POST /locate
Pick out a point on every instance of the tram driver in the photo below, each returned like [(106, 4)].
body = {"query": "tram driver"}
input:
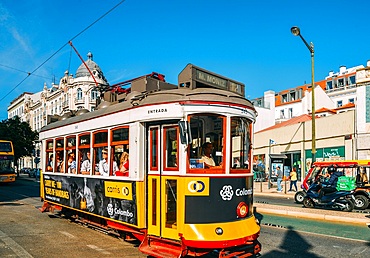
[(207, 158)]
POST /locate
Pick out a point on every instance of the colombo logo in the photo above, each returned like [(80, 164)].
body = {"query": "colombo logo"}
[(196, 186), (227, 192)]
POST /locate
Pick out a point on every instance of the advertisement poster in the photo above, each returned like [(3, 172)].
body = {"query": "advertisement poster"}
[(110, 199)]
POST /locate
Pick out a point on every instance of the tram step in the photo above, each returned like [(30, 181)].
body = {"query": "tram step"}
[(159, 247)]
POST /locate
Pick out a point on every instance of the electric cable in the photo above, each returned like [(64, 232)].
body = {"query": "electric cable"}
[(67, 43)]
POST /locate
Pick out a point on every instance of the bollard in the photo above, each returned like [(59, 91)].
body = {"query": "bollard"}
[(261, 186), (285, 186)]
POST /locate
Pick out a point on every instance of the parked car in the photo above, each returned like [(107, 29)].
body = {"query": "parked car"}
[(34, 172), (25, 170)]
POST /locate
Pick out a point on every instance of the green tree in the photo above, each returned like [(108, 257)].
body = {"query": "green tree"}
[(22, 136)]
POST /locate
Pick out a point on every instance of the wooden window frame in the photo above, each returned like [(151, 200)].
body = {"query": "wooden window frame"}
[(116, 143), (153, 131), (83, 147), (95, 146), (48, 151)]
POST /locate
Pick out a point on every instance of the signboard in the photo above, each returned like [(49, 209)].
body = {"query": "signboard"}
[(110, 199), (196, 77), (327, 153)]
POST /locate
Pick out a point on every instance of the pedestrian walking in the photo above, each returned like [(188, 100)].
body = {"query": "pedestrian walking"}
[(279, 175), (293, 180)]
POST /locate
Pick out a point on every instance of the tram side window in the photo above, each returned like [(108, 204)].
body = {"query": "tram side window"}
[(240, 144), (59, 155), (70, 164), (171, 147), (100, 156), (206, 149), (84, 157), (49, 155), (120, 151)]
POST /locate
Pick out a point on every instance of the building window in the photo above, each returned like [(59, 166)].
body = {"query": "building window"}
[(284, 98), (352, 80), (340, 83), (290, 112), (282, 116), (329, 85), (94, 94), (352, 100), (339, 103), (292, 96), (79, 94)]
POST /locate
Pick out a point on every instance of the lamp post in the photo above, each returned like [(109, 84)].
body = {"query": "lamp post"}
[(296, 32)]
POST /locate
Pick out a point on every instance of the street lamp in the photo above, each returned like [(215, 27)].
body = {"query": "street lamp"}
[(296, 32)]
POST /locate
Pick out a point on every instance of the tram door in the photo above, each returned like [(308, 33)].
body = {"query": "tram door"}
[(162, 180)]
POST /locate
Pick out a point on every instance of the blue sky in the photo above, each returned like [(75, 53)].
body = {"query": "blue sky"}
[(248, 41)]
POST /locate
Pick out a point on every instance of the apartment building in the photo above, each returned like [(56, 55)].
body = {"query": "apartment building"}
[(342, 109)]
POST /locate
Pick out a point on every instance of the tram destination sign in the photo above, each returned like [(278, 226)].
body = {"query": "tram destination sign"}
[(196, 77), (218, 82)]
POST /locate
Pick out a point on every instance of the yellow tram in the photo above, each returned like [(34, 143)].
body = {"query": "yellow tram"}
[(187, 185)]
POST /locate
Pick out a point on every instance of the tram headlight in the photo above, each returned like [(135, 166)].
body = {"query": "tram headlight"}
[(242, 210), (219, 231)]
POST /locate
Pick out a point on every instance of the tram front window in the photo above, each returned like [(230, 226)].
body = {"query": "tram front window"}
[(206, 148), (240, 144)]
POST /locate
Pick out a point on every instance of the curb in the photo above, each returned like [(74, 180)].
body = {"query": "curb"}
[(315, 215)]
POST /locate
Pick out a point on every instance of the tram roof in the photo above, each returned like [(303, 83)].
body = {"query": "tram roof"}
[(147, 90), (137, 99)]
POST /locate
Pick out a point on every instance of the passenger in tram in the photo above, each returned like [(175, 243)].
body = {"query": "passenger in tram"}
[(124, 165), (86, 164), (50, 163), (207, 158), (60, 163), (103, 164), (71, 163)]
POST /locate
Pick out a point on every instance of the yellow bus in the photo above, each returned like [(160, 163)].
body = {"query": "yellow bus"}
[(7, 172)]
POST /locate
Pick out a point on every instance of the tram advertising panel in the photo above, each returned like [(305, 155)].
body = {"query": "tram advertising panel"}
[(212, 200), (111, 199)]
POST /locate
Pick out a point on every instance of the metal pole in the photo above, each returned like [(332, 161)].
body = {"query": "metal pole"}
[(313, 104), (269, 179), (297, 32)]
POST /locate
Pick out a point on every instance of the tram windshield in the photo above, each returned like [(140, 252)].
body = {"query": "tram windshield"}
[(208, 134)]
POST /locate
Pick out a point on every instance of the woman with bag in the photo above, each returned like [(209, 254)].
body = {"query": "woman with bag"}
[(293, 179)]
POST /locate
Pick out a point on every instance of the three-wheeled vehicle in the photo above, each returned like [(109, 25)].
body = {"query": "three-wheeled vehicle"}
[(357, 169)]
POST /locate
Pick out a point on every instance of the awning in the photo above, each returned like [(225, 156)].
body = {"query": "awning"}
[(278, 156)]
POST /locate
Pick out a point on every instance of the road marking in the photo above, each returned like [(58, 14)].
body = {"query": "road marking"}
[(94, 247), (67, 234), (17, 249)]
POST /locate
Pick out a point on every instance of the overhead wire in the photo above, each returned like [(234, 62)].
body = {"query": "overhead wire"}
[(67, 43), (16, 69)]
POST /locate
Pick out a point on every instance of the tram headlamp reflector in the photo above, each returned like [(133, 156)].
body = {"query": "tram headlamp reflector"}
[(242, 210), (219, 231)]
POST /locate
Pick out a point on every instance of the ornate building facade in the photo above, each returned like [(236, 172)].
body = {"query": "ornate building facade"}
[(74, 93)]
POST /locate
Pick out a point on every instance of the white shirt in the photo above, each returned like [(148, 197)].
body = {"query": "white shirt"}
[(104, 169), (208, 160), (86, 165)]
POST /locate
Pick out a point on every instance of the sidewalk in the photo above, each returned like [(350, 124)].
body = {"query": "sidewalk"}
[(301, 212)]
